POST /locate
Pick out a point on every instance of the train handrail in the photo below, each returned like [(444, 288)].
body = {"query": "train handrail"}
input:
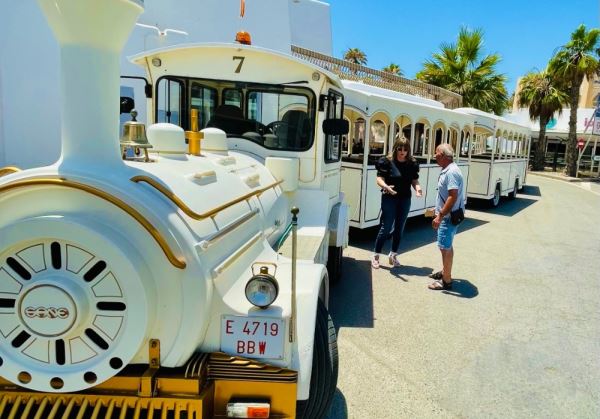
[(187, 210), (63, 182)]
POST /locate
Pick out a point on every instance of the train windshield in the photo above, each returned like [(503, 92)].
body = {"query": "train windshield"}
[(280, 117)]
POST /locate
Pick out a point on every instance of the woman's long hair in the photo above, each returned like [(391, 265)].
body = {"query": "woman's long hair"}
[(401, 142)]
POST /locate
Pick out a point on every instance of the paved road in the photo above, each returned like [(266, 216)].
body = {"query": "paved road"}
[(518, 337)]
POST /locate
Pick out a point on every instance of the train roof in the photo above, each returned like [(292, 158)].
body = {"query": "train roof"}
[(277, 56), (380, 99), (494, 122)]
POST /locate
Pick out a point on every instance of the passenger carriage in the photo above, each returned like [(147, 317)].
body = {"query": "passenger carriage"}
[(500, 156), (376, 116)]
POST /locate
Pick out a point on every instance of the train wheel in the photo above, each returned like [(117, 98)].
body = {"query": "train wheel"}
[(496, 198), (323, 381), (334, 263)]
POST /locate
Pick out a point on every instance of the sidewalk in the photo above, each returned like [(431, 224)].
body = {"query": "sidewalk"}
[(561, 176)]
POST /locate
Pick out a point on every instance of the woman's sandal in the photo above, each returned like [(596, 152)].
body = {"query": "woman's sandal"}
[(375, 261), (437, 275), (439, 285)]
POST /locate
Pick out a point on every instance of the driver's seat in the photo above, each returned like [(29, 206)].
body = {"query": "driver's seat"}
[(230, 119), (296, 133)]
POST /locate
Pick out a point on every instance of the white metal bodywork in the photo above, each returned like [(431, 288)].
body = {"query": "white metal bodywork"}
[(189, 302), (180, 305), (485, 176), (359, 174)]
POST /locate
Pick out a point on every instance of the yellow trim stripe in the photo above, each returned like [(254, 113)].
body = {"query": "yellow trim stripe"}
[(175, 261), (8, 170), (187, 210)]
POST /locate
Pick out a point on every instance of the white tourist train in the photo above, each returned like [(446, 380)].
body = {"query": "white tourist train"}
[(171, 275)]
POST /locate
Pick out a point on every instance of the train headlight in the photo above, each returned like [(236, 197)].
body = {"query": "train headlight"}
[(262, 289)]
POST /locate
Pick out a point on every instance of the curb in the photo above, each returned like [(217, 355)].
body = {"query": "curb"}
[(564, 178)]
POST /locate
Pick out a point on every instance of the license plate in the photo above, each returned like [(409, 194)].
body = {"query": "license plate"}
[(253, 337)]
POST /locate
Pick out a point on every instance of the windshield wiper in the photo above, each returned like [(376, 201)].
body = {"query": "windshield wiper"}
[(294, 82)]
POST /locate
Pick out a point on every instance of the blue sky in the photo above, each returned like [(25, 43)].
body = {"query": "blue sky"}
[(525, 33)]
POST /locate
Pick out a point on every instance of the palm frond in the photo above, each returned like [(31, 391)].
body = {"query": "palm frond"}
[(459, 67)]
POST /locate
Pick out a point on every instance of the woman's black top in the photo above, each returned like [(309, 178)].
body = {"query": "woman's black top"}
[(398, 174)]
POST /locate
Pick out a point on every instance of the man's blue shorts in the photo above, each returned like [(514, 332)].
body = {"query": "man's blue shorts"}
[(445, 234)]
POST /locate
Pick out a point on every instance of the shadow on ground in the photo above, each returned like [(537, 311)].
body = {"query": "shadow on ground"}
[(531, 190), (417, 233), (507, 207), (338, 408), (351, 299), (462, 288), (405, 271)]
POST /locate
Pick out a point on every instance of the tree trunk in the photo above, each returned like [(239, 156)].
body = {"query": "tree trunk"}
[(572, 154), (540, 150)]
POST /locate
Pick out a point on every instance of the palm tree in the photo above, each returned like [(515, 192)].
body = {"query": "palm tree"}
[(545, 96), (356, 56), (393, 68), (574, 61), (461, 68)]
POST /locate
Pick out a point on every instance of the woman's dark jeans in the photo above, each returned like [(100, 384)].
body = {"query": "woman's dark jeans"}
[(394, 212)]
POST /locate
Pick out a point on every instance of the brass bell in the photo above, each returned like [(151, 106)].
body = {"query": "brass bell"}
[(134, 136)]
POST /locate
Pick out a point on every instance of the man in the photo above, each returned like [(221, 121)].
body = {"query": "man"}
[(450, 197)]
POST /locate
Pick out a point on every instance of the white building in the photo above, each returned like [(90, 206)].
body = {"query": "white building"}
[(29, 58), (557, 132)]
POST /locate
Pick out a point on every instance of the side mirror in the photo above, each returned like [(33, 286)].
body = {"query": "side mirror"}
[(127, 104), (336, 126)]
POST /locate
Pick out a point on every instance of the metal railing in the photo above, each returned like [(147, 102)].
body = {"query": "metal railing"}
[(350, 71)]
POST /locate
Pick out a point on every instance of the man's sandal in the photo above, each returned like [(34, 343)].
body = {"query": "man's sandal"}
[(439, 285), (436, 275)]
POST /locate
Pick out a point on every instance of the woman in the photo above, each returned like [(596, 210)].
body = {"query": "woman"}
[(396, 173)]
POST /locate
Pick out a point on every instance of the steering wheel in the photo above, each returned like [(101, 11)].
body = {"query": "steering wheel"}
[(261, 128), (275, 126)]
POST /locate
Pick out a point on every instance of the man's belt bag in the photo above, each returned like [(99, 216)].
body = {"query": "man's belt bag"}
[(457, 216)]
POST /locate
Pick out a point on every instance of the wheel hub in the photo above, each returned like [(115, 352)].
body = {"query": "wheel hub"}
[(47, 310)]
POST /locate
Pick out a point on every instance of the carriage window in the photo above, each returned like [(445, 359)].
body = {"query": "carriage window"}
[(358, 137), (396, 130), (204, 99), (454, 141), (465, 143), (169, 95), (419, 146), (378, 137), (439, 137), (335, 110), (232, 97), (499, 147), (489, 144), (345, 144)]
